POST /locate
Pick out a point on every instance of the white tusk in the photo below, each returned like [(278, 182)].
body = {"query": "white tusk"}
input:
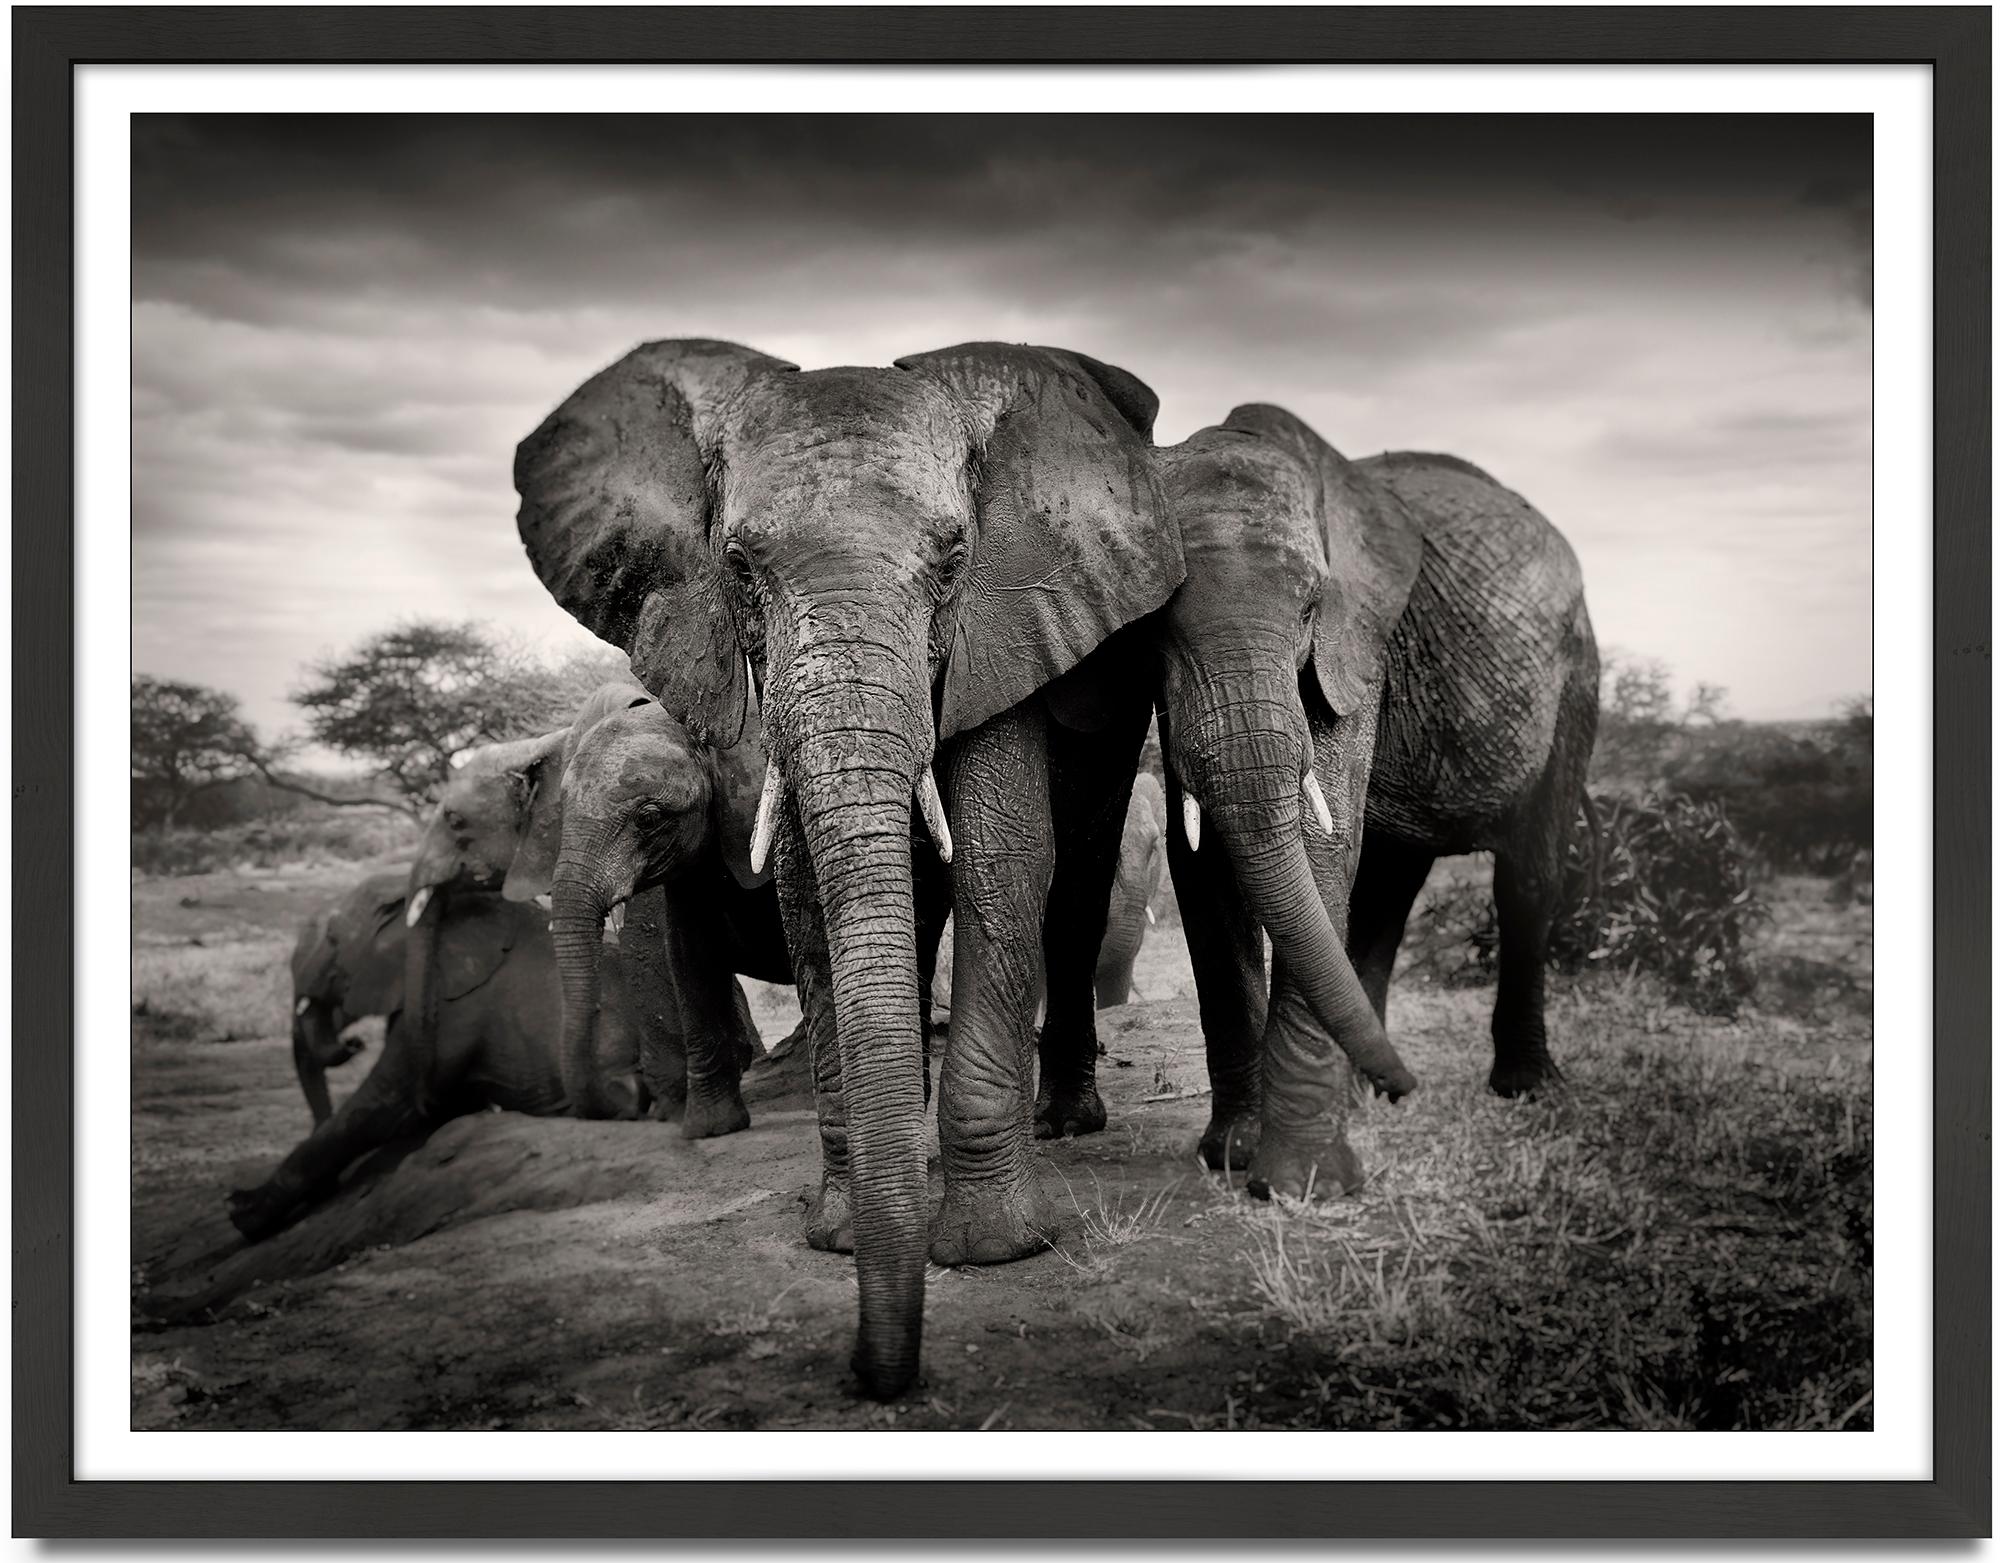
[(302, 1006), (767, 818), (1150, 918), (614, 920), (418, 902), (1191, 821), (934, 820), (546, 901), (1318, 801)]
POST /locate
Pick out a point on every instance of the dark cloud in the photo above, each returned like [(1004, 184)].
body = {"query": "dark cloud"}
[(342, 325)]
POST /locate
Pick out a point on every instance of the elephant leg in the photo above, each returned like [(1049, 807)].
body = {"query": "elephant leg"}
[(711, 1024), (1303, 1150), (749, 1040), (830, 1217), (996, 793), (1386, 886), (387, 1105), (933, 887), (649, 974), (1226, 950), (1090, 786), (1527, 890)]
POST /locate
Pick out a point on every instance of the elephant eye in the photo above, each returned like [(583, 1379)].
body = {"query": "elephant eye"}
[(950, 566), (738, 558)]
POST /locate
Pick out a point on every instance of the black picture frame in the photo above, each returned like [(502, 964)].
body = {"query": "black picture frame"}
[(49, 43)]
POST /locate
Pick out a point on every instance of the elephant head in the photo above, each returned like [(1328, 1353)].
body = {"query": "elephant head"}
[(1298, 567), (891, 557), (639, 800), (469, 844), (346, 964)]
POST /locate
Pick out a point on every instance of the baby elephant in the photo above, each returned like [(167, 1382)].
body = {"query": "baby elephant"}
[(499, 1013)]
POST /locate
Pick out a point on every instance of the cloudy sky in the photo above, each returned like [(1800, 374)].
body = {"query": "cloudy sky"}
[(1656, 329)]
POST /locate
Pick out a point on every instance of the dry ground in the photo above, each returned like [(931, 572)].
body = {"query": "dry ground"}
[(1683, 1240)]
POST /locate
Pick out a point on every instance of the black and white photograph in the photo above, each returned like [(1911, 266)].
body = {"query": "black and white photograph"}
[(1002, 772)]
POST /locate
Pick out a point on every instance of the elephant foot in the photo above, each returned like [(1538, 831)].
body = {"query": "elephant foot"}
[(988, 1223), (830, 1217), (1229, 1143), (258, 1213), (713, 1113), (1528, 1074), (1319, 1166), (1066, 1111)]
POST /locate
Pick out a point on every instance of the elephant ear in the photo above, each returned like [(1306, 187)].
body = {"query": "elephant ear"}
[(1074, 537), (738, 787), (615, 508), (474, 945), (538, 784), (1374, 547)]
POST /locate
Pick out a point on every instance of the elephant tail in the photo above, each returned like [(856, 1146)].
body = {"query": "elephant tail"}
[(1594, 884)]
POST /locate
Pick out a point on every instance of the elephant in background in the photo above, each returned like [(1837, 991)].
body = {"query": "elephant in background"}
[(347, 965), (921, 573), (1142, 863), (1401, 649), (638, 814), (498, 1014)]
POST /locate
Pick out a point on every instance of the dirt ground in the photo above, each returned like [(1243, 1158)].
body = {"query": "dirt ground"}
[(1684, 1239)]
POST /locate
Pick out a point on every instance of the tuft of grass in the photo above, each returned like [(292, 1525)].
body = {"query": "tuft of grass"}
[(226, 992)]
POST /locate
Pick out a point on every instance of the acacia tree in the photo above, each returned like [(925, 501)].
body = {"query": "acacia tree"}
[(186, 739), (414, 697)]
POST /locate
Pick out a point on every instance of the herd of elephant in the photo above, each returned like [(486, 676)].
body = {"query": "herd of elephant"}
[(897, 635)]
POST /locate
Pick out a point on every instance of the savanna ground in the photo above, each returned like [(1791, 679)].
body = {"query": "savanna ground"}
[(1684, 1239)]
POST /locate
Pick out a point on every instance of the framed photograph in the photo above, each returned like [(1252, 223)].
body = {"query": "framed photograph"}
[(1146, 735)]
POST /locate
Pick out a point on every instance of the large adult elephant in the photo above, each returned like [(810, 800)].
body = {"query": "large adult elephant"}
[(498, 1014), (645, 815), (922, 571), (1399, 644), (347, 965)]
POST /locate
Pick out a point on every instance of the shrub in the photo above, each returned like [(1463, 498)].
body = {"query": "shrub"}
[(1664, 889), (343, 836)]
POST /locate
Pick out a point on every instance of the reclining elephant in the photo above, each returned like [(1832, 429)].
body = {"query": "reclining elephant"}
[(1400, 648), (347, 965), (921, 571), (498, 1016)]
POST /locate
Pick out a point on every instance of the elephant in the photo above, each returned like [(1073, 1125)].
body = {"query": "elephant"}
[(1142, 862), (498, 1014), (1399, 646), (497, 826), (922, 574), (645, 815), (347, 965)]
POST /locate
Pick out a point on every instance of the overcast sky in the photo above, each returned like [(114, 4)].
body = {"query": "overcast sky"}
[(1658, 330)]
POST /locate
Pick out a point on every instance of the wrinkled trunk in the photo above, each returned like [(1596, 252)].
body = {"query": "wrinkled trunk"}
[(314, 1044), (580, 903), (421, 997), (1249, 783), (854, 795)]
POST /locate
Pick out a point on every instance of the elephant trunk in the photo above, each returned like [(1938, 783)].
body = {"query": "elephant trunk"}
[(853, 779), (1253, 778), (421, 984), (580, 901), (314, 1043)]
